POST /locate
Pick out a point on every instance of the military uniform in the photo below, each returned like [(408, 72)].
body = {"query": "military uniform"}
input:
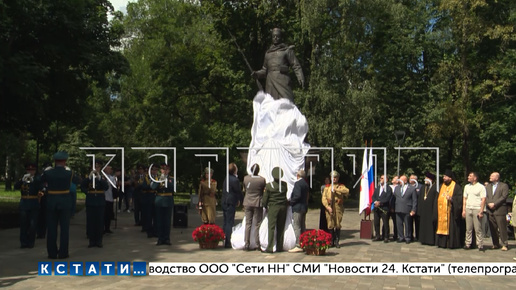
[(29, 207), (42, 216), (333, 197), (164, 204), (278, 59), (59, 204), (275, 199), (139, 179), (94, 187), (148, 209), (208, 200)]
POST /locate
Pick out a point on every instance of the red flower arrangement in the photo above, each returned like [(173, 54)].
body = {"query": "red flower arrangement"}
[(315, 240), (208, 234)]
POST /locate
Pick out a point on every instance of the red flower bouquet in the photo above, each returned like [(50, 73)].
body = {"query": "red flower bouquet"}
[(315, 242), (208, 236)]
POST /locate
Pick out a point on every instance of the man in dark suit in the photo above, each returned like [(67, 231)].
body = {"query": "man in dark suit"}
[(392, 209), (415, 221), (497, 193), (231, 198), (381, 200), (254, 186), (299, 202), (406, 206)]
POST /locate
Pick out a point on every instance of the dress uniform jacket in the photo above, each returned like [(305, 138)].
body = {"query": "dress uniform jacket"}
[(164, 203), (59, 205), (29, 209), (95, 203)]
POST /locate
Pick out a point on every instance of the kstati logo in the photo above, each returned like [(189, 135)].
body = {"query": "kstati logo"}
[(92, 268)]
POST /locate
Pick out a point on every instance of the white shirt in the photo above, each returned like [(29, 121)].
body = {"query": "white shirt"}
[(109, 191)]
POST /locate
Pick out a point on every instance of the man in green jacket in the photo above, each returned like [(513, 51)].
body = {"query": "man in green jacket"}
[(275, 200)]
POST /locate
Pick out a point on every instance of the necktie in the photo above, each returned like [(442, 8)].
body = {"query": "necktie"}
[(402, 191)]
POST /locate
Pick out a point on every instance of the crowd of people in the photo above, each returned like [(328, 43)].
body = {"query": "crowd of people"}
[(446, 217), (48, 203)]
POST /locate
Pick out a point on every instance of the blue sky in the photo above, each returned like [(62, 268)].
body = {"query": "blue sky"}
[(120, 4)]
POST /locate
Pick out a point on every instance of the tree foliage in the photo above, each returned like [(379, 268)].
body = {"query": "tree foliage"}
[(442, 71), (52, 52)]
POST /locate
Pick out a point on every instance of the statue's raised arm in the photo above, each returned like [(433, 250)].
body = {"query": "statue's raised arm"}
[(279, 58)]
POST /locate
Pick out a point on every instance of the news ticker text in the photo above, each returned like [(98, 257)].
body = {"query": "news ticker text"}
[(276, 269)]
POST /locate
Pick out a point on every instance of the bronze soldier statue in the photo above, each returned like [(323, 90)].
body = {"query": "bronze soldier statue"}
[(279, 58)]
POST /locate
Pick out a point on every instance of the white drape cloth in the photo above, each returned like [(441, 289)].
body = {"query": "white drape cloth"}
[(278, 134)]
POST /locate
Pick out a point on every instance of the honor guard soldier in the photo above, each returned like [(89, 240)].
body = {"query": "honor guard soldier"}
[(139, 179), (94, 187), (73, 192), (207, 198), (42, 216), (164, 204), (148, 199), (333, 200), (59, 203), (29, 186)]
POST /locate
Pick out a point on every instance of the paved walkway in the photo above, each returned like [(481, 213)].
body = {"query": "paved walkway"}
[(18, 267)]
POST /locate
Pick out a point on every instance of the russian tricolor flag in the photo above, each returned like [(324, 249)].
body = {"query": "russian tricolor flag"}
[(367, 182)]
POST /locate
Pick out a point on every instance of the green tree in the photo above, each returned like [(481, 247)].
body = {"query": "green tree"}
[(475, 73), (52, 52)]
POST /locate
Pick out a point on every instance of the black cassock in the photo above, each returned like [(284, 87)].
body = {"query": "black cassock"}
[(427, 210)]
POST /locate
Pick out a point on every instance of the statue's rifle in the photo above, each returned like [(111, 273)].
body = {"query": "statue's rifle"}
[(260, 87)]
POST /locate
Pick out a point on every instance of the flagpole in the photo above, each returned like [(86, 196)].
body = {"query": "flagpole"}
[(374, 182), (374, 177), (364, 169), (365, 211)]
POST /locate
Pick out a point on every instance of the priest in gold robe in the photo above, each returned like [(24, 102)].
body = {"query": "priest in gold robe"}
[(451, 227)]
